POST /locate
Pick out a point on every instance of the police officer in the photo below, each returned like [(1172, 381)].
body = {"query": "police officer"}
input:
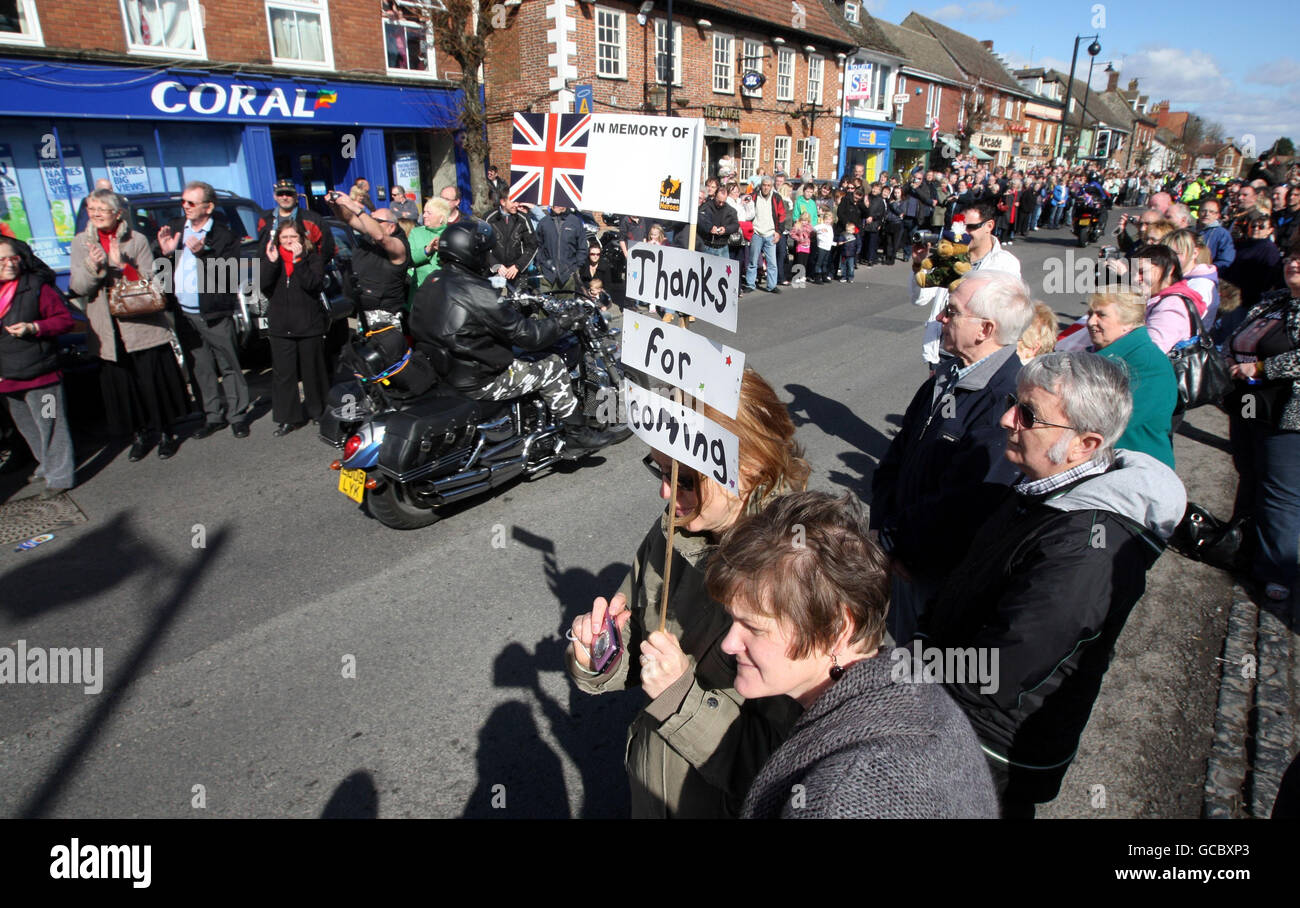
[(379, 262), (468, 331)]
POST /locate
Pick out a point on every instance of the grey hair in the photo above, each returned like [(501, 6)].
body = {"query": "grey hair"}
[(1094, 391), (209, 194), (1003, 299), (114, 202)]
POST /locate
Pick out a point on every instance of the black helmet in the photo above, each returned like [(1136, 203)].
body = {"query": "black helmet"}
[(467, 243)]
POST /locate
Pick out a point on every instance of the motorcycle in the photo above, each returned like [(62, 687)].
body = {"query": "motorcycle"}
[(405, 460), (1089, 220)]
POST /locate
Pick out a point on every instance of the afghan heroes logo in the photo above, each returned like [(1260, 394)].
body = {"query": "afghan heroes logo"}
[(670, 194)]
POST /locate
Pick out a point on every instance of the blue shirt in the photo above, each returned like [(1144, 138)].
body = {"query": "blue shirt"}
[(187, 269)]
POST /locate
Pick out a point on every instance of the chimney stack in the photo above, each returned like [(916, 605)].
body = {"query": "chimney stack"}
[(987, 45), (1132, 84), (1112, 82)]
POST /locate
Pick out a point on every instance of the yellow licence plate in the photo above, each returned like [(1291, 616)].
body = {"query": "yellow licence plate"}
[(352, 483), (1084, 222)]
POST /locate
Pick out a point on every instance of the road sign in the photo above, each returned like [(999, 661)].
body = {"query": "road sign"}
[(584, 99), (901, 98)]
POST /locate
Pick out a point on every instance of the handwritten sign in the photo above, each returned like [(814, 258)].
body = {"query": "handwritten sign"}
[(688, 437), (692, 283), (700, 367)]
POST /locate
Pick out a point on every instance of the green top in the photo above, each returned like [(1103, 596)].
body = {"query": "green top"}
[(1155, 394), (804, 206), (425, 263)]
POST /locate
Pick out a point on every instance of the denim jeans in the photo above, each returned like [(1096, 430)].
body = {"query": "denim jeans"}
[(1268, 489), (849, 256), (821, 260), (720, 251), (765, 247)]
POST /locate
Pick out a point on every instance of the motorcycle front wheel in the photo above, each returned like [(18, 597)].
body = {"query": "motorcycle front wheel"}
[(391, 507)]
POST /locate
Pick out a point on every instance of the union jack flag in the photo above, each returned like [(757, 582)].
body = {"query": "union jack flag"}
[(548, 157)]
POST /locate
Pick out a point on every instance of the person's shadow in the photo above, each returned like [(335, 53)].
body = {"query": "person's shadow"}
[(868, 444)]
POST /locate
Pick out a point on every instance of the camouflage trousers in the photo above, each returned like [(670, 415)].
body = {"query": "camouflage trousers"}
[(549, 377)]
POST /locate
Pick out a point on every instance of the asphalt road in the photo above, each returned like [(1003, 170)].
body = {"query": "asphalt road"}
[(232, 586)]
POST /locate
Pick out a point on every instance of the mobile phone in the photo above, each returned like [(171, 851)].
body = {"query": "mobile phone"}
[(606, 646)]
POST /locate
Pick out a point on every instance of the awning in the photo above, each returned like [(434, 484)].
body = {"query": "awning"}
[(911, 140), (722, 132), (980, 155)]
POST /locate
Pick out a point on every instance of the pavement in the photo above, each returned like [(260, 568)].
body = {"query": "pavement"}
[(271, 651)]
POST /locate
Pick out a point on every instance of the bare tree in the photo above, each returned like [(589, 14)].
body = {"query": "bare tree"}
[(974, 114)]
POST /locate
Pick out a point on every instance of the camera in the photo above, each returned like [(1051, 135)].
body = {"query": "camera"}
[(1110, 252), (924, 237)]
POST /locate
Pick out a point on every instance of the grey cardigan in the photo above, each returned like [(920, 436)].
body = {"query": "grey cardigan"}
[(873, 747)]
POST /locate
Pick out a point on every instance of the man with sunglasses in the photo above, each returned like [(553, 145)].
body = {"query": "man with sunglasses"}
[(207, 265), (930, 490), (986, 254), (379, 262), (1054, 571)]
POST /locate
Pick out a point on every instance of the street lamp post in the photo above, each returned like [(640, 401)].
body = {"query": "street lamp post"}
[(1093, 49)]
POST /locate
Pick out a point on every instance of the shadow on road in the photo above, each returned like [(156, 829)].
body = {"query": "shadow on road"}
[(355, 798), (185, 580), (1206, 438), (869, 444)]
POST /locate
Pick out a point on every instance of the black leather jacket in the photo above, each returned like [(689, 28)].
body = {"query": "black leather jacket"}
[(467, 330)]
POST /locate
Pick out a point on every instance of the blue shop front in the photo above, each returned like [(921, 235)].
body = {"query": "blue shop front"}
[(64, 126), (864, 142)]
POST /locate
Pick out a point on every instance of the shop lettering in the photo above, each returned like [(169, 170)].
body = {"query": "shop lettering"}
[(209, 98)]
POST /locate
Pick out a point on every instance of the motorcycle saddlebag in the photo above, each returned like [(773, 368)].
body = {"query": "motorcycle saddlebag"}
[(425, 431)]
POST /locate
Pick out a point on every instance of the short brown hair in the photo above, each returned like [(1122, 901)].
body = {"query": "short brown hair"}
[(808, 561), (297, 228)]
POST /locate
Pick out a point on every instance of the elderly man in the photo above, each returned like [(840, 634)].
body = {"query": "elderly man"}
[(986, 254), (769, 215), (452, 195), (946, 460), (1217, 238), (1054, 571)]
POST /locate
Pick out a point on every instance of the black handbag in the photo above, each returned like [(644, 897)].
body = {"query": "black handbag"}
[(1201, 536), (1199, 370)]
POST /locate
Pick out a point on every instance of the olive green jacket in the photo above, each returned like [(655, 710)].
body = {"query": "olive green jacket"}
[(694, 750)]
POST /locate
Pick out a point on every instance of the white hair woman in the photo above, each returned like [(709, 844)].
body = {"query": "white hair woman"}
[(144, 393)]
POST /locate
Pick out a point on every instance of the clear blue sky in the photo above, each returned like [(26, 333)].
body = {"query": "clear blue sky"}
[(1233, 64)]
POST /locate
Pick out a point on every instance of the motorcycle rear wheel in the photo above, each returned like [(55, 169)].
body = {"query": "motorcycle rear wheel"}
[(1083, 236), (390, 506)]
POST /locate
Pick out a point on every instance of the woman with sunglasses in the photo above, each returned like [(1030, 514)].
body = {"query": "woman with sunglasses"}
[(1256, 269), (696, 746)]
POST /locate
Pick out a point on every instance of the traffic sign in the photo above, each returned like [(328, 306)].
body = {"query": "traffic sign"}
[(584, 99)]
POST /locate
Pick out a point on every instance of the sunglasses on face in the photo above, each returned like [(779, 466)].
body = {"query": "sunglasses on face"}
[(685, 476), (1027, 419), (285, 193), (186, 203)]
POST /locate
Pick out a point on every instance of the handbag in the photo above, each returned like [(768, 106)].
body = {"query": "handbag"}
[(132, 299), (1199, 370), (1201, 536)]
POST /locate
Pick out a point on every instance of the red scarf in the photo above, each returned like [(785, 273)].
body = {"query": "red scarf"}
[(7, 291), (287, 257), (105, 240)]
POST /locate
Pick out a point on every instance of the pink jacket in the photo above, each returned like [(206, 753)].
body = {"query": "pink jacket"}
[(1167, 319)]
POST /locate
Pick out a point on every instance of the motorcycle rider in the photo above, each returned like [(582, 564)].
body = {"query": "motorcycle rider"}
[(468, 332)]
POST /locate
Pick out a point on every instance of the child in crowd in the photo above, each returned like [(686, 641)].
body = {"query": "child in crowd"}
[(801, 235), (825, 235)]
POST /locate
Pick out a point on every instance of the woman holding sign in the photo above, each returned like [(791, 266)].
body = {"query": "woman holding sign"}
[(696, 747)]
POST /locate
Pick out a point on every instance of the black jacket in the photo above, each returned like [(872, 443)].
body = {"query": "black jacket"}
[(711, 216), (468, 331), (1037, 588), (876, 210), (849, 211), (562, 245), (945, 468), (24, 358), (295, 308), (311, 225), (218, 258), (515, 244)]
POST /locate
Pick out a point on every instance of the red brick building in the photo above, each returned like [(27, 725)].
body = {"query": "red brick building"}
[(790, 122)]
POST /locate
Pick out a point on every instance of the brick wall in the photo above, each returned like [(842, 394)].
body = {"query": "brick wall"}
[(518, 78), (235, 31), (914, 116)]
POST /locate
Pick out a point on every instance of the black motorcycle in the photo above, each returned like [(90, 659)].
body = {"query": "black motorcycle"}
[(1089, 220), (406, 456)]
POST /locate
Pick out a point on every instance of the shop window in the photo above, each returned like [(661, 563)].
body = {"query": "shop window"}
[(748, 156), (408, 48), (785, 74), (815, 64), (661, 52), (724, 60), (611, 28), (300, 33), (170, 28), (19, 23), (752, 61), (781, 153)]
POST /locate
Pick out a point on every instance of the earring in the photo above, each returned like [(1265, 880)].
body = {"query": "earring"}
[(837, 670)]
